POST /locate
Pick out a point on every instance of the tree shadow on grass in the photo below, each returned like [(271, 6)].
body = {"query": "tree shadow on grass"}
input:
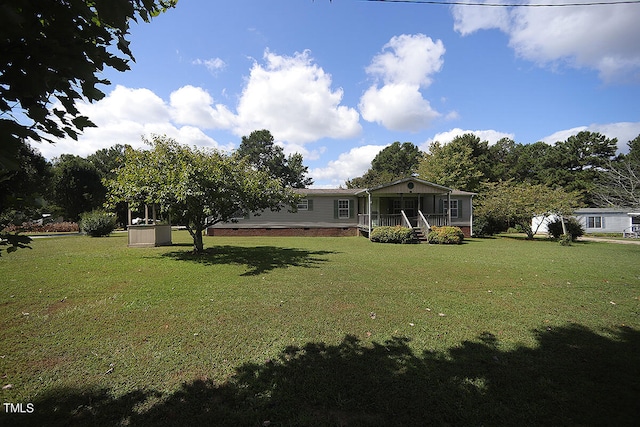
[(258, 260), (574, 376)]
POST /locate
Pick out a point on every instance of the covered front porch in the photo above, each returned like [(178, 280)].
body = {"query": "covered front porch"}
[(410, 202)]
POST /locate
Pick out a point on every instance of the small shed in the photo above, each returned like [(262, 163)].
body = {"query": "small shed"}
[(148, 232)]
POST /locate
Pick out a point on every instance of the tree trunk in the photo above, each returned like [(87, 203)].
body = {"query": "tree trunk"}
[(196, 234), (198, 246)]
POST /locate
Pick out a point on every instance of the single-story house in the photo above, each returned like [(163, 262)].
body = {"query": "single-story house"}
[(409, 202), (601, 220)]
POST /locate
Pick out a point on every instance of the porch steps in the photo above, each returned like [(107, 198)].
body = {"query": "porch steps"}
[(419, 235)]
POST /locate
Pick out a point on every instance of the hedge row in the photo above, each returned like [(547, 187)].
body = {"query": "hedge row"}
[(395, 234), (445, 235), (54, 227)]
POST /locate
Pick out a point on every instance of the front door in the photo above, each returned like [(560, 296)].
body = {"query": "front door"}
[(410, 209)]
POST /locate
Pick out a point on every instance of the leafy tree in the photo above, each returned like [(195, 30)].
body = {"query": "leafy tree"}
[(394, 162), (461, 164), (22, 191), (197, 187), (21, 194), (577, 163), (634, 150), (260, 150), (57, 49), (77, 186), (531, 162), (517, 204), (107, 161)]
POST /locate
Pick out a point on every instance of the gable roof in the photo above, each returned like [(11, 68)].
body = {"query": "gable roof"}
[(434, 188), (407, 180), (327, 191)]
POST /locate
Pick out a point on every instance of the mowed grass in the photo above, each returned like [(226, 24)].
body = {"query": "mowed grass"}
[(320, 331)]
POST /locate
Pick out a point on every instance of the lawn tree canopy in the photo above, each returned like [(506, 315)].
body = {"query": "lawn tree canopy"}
[(260, 151), (510, 204), (394, 162), (198, 187), (461, 164), (52, 54), (76, 186)]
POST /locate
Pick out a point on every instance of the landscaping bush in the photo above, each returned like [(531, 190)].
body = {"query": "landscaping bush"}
[(395, 234), (97, 223), (484, 226), (446, 235), (574, 229), (566, 239)]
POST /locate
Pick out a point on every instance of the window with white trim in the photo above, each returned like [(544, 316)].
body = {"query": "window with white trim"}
[(594, 222), (343, 208), (454, 208), (303, 205)]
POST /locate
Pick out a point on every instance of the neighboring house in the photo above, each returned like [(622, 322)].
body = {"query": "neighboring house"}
[(408, 202), (602, 220)]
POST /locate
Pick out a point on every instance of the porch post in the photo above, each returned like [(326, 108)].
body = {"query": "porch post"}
[(369, 210), (449, 208), (471, 218)]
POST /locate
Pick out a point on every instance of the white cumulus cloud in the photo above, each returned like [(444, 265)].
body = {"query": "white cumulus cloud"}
[(624, 131), (292, 97), (404, 66), (601, 37), (124, 116), (192, 105), (348, 165)]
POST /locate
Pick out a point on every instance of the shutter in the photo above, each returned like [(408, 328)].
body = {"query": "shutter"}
[(351, 208), (459, 208), (441, 206), (335, 209), (310, 204)]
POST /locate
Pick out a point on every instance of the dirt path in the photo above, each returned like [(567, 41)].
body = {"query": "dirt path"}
[(604, 239)]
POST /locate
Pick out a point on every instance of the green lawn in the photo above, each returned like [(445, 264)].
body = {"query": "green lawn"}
[(321, 331)]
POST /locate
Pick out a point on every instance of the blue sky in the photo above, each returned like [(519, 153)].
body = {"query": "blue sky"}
[(339, 81)]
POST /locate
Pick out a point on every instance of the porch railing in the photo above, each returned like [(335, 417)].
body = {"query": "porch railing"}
[(379, 220), (423, 223)]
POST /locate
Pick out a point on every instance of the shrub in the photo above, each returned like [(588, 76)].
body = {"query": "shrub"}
[(446, 235), (97, 223), (574, 229), (566, 239), (485, 226), (395, 234)]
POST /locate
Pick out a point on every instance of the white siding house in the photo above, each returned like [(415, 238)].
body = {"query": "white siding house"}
[(599, 220)]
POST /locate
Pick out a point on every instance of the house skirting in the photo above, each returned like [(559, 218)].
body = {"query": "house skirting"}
[(466, 230), (285, 232)]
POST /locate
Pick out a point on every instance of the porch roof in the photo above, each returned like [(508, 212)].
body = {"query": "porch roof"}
[(408, 185)]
